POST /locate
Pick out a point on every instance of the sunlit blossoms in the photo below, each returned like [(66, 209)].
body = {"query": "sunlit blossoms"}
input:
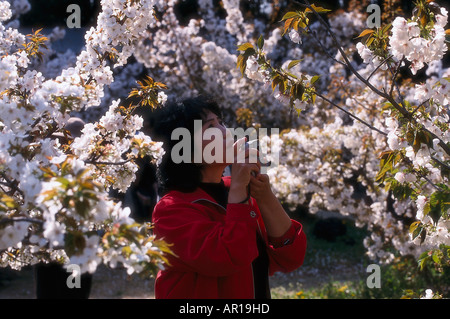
[(407, 42), (54, 187), (295, 36), (112, 163)]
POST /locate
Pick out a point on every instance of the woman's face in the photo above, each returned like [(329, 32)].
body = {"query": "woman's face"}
[(213, 128)]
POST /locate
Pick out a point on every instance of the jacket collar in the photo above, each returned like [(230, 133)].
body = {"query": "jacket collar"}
[(199, 194)]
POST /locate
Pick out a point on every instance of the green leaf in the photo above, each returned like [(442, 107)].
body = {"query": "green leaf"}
[(387, 106), (422, 262), (64, 181), (297, 90), (303, 23), (423, 235), (260, 42), (365, 32), (436, 258), (435, 213), (82, 207), (401, 191), (293, 63), (282, 86), (370, 41), (74, 243), (315, 79), (244, 47), (289, 15), (386, 164), (241, 62), (275, 81), (386, 27), (414, 226), (317, 9), (439, 204), (287, 25), (417, 229)]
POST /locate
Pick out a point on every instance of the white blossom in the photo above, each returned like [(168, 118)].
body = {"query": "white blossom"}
[(295, 36)]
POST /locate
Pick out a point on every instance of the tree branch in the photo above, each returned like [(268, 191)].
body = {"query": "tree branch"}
[(21, 219), (11, 184), (411, 165)]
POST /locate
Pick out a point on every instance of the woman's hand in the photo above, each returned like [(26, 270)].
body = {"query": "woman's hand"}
[(260, 187), (276, 220), (242, 172)]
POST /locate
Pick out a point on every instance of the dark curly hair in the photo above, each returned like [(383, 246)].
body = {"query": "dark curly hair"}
[(184, 177)]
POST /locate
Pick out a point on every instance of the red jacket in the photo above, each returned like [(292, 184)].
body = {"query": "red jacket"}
[(215, 246)]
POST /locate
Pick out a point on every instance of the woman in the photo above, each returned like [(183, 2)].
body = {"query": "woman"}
[(225, 242)]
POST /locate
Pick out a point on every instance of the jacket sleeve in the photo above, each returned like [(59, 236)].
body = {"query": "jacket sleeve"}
[(213, 248), (287, 252)]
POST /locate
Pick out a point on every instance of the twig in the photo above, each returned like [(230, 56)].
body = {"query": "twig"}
[(107, 163), (378, 67), (441, 163), (351, 115), (432, 184), (411, 165), (332, 103), (394, 76), (313, 32), (421, 104)]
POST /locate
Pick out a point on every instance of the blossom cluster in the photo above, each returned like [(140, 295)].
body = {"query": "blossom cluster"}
[(369, 58), (54, 187), (119, 25), (88, 220), (425, 152), (407, 42), (317, 169), (112, 162)]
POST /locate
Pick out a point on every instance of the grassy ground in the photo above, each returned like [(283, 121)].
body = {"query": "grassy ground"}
[(330, 267)]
